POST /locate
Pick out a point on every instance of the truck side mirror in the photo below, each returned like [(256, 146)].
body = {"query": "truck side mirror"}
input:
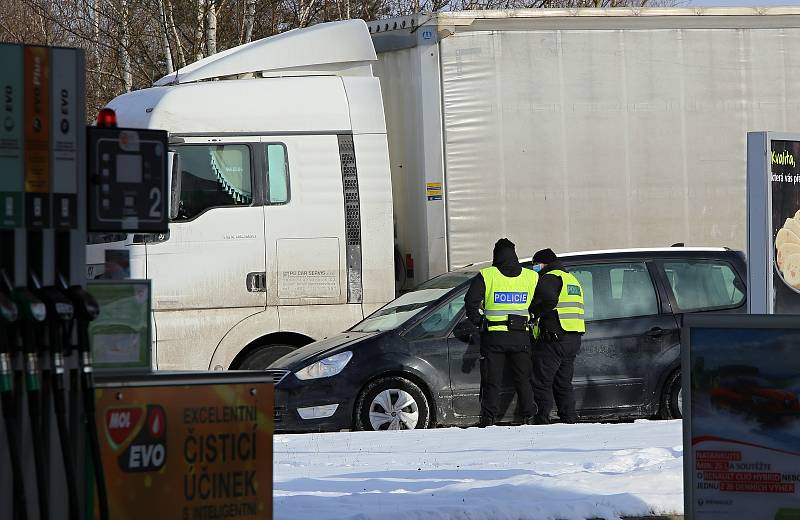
[(174, 183)]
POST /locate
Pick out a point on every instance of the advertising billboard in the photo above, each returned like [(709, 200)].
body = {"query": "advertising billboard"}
[(773, 197), (188, 446), (741, 417)]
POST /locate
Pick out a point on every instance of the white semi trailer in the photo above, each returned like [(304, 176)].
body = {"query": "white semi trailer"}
[(281, 228), (578, 129)]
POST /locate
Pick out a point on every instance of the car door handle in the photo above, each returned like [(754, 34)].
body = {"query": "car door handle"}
[(657, 331), (257, 282)]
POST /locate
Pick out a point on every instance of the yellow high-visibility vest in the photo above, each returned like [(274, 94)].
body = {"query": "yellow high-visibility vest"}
[(570, 304), (507, 296)]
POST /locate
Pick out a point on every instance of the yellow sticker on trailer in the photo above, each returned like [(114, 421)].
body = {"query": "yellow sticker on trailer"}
[(434, 190)]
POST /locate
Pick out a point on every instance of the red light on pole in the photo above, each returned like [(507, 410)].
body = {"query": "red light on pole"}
[(107, 118)]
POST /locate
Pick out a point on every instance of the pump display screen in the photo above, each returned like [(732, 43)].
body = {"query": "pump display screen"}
[(129, 168)]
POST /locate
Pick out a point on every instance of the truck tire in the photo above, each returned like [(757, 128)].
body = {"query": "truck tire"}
[(263, 356), (392, 403), (671, 406)]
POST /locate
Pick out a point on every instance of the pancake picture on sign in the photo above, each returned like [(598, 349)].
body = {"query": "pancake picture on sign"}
[(787, 252)]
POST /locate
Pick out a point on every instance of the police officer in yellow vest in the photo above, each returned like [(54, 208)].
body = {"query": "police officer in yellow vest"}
[(558, 311), (505, 292)]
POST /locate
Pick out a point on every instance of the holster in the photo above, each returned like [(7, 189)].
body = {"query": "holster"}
[(517, 323)]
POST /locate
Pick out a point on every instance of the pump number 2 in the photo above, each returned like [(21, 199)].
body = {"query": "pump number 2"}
[(155, 198)]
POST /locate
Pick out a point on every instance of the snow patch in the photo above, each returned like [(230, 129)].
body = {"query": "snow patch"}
[(498, 473)]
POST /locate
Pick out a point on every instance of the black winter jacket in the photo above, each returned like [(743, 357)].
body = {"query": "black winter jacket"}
[(507, 263)]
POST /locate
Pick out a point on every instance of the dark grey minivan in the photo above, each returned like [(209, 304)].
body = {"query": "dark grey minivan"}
[(409, 365)]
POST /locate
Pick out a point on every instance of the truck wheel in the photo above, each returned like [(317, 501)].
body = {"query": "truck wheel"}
[(392, 403), (262, 357), (672, 397)]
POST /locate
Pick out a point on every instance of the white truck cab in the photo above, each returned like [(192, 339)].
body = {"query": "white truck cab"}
[(281, 229)]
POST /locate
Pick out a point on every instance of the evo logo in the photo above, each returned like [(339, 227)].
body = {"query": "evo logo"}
[(143, 442), (510, 297)]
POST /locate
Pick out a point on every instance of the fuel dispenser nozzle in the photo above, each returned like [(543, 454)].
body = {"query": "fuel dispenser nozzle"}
[(31, 315)]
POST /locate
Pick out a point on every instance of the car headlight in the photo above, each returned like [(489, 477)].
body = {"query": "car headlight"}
[(330, 366)]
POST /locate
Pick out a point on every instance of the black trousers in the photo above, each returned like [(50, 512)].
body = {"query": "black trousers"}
[(493, 362), (553, 368)]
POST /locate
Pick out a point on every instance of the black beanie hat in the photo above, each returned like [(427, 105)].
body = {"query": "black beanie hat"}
[(544, 256), (503, 243)]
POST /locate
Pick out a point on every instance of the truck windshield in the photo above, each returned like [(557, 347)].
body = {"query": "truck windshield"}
[(402, 309)]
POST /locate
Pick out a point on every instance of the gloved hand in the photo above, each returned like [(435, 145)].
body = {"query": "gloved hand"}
[(548, 335)]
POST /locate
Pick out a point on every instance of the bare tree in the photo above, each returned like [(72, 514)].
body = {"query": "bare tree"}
[(173, 29), (249, 20), (198, 35), (211, 27), (124, 43), (165, 37)]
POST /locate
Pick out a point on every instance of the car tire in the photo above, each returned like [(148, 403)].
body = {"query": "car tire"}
[(379, 406), (671, 407), (263, 356)]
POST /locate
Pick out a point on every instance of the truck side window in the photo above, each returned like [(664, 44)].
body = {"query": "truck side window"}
[(277, 174), (703, 285), (213, 176)]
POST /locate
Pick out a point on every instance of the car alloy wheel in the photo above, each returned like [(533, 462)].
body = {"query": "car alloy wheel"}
[(392, 403), (393, 409)]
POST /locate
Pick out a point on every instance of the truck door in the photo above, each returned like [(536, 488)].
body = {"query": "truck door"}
[(304, 227), (208, 271)]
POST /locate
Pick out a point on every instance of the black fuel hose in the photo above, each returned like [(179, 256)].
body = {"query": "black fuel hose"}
[(60, 313), (86, 310), (8, 317)]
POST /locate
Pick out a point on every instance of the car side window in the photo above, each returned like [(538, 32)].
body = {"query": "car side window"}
[(613, 291), (438, 323), (212, 176), (705, 284)]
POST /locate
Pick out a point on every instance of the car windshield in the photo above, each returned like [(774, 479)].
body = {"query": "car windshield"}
[(402, 309)]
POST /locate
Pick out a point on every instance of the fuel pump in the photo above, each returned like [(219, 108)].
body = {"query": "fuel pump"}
[(86, 311), (8, 316), (32, 314), (60, 313)]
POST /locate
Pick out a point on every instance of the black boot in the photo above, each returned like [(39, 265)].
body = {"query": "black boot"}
[(486, 420)]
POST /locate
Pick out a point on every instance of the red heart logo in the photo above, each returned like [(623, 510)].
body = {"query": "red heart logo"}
[(121, 423)]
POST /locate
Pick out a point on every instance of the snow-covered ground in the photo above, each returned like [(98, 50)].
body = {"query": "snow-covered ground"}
[(499, 473)]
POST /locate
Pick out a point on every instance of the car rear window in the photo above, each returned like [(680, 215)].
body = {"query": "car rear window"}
[(704, 284)]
